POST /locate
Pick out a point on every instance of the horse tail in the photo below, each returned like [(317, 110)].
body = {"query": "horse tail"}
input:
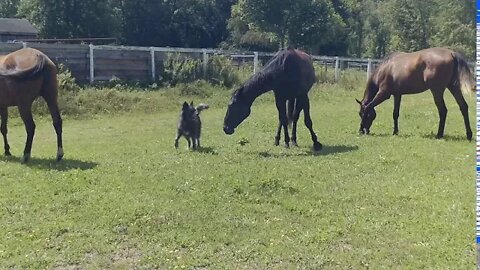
[(201, 107), (463, 76), (290, 109), (25, 73)]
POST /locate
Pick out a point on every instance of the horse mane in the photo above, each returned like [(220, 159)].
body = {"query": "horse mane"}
[(25, 73), (372, 88), (271, 68), (384, 62)]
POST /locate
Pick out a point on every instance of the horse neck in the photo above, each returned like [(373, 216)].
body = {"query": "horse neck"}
[(370, 91), (257, 85)]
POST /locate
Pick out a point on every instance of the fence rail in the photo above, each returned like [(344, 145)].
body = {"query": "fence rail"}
[(91, 63)]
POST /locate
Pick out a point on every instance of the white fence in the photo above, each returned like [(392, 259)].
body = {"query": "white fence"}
[(91, 63)]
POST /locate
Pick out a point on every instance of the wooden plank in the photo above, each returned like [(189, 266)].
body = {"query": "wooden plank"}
[(122, 54), (108, 63), (128, 75), (122, 67), (58, 46)]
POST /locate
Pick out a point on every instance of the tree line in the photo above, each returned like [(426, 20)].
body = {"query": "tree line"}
[(368, 28)]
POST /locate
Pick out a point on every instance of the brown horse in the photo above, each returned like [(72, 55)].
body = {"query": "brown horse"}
[(25, 75), (412, 73)]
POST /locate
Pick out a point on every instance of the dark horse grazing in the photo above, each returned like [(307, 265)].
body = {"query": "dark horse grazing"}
[(25, 75), (290, 75), (411, 73)]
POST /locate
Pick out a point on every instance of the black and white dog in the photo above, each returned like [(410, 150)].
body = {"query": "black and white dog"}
[(189, 124)]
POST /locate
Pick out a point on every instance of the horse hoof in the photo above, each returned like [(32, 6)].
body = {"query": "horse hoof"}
[(59, 154), (438, 137), (8, 154), (25, 158), (469, 136), (317, 146), (287, 145), (277, 142), (294, 144)]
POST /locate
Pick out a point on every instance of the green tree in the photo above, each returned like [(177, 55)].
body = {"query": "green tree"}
[(454, 25), (187, 23), (71, 18), (310, 24), (9, 8), (410, 24)]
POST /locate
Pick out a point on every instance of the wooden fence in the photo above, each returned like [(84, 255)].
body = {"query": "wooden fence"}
[(91, 63)]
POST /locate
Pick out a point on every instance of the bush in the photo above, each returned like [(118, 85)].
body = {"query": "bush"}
[(66, 82), (178, 69), (220, 70)]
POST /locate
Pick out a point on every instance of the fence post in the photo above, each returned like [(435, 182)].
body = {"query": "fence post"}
[(369, 68), (92, 63), (24, 44), (255, 62), (152, 58), (337, 64), (205, 62)]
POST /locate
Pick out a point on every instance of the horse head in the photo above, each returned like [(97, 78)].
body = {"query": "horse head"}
[(367, 115), (238, 110)]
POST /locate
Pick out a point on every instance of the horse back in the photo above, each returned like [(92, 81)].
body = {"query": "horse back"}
[(24, 64), (410, 73), (299, 71)]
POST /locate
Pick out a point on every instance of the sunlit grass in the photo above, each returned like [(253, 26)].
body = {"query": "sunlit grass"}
[(124, 197)]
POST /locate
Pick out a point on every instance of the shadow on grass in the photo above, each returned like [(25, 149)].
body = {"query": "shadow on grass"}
[(387, 135), (206, 150), (326, 150), (456, 138), (52, 164)]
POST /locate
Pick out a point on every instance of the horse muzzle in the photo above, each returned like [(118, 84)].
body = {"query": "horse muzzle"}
[(228, 130)]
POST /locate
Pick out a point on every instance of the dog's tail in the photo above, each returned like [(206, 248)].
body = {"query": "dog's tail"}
[(201, 107)]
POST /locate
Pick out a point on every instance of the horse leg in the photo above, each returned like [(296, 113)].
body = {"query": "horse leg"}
[(57, 124), (26, 114), (457, 94), (277, 136), (189, 143), (442, 110), (396, 112), (177, 137), (4, 130), (308, 123), (282, 116), (296, 115)]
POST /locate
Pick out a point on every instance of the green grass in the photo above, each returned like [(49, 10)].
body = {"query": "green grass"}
[(123, 197)]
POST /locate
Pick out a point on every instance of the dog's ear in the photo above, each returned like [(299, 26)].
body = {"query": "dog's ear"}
[(185, 105)]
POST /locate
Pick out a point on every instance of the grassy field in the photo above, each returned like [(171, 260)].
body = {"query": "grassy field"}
[(124, 198)]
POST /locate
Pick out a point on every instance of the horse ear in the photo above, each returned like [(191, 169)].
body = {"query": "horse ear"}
[(185, 105), (191, 103), (358, 101)]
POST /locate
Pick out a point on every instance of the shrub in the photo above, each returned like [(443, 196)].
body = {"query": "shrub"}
[(220, 70), (66, 82)]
